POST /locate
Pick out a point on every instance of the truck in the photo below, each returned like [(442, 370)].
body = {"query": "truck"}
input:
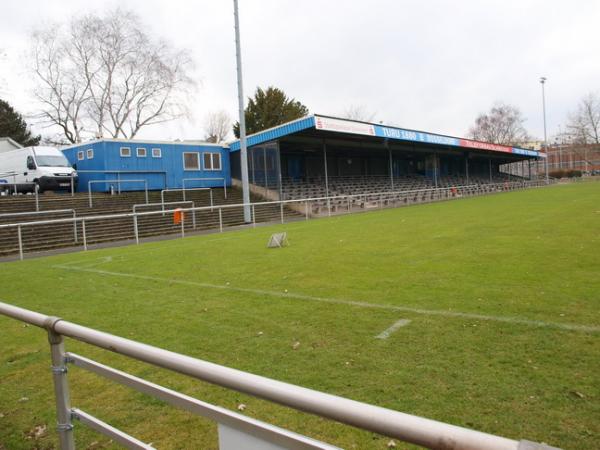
[(47, 167)]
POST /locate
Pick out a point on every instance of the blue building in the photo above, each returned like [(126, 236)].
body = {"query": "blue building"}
[(161, 164)]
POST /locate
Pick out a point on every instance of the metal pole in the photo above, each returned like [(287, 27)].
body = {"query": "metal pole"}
[(211, 199), (90, 192), (182, 224), (84, 234), (119, 182), (72, 186), (265, 168), (20, 242), (391, 168), (61, 386), (326, 177), (306, 208), (135, 228), (146, 190), (490, 164), (243, 145), (75, 225), (194, 215), (467, 167), (253, 217), (543, 82), (225, 187), (281, 211), (37, 199), (221, 220)]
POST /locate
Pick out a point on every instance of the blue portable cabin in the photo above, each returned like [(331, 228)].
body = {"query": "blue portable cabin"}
[(161, 164)]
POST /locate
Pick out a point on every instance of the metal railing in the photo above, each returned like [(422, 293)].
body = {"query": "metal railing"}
[(183, 190), (162, 205), (207, 179), (308, 207), (118, 182), (235, 430)]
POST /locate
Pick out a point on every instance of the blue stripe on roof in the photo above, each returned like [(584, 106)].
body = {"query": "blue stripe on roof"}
[(274, 133)]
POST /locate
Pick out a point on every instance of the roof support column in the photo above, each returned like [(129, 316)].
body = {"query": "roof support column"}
[(391, 165), (467, 167), (490, 164), (326, 177)]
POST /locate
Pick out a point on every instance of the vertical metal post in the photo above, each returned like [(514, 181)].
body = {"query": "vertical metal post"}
[(281, 210), (72, 185), (90, 193), (543, 82), (119, 183), (194, 215), (61, 386), (242, 120), (225, 187), (146, 190), (265, 168), (135, 229), (253, 217), (84, 234), (490, 164), (37, 198), (349, 203), (326, 178), (221, 220), (210, 194), (19, 237), (391, 166), (467, 167), (182, 224), (306, 208), (75, 226)]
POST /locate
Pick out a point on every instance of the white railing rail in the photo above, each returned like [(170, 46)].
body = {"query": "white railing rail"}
[(183, 190), (118, 182), (235, 430), (338, 203), (207, 179)]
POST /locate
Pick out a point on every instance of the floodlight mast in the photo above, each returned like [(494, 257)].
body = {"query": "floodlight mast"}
[(243, 148), (543, 82)]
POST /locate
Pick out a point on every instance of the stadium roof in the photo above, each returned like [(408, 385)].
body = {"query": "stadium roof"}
[(352, 127)]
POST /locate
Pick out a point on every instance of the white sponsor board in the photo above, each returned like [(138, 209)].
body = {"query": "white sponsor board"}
[(345, 126)]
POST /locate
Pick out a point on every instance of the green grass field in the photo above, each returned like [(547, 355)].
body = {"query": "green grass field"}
[(502, 293)]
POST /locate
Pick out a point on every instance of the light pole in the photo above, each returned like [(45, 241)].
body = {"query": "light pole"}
[(543, 82), (243, 148)]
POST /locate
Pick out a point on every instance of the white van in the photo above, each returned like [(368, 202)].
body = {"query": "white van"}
[(45, 166)]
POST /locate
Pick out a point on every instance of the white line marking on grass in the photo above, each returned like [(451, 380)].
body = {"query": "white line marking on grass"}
[(427, 312), (386, 333)]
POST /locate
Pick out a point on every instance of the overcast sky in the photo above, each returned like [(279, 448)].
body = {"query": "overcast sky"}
[(429, 65)]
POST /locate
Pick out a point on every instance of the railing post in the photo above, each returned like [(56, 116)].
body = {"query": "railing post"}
[(72, 186), (135, 228), (253, 217), (84, 234), (225, 187), (90, 192), (182, 224), (281, 211), (221, 220), (306, 208), (20, 242), (75, 225), (146, 190), (194, 215), (61, 386), (37, 198), (211, 199)]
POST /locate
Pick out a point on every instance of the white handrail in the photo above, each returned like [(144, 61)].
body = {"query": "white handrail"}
[(409, 428), (207, 179)]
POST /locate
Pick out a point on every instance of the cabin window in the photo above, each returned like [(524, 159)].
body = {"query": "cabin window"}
[(80, 155), (191, 161), (141, 152), (90, 153), (212, 161), (156, 153), (125, 152)]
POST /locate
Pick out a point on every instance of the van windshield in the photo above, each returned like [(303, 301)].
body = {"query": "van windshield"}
[(52, 161)]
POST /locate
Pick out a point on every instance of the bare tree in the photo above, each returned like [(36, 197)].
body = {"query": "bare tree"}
[(503, 124), (358, 112), (217, 125), (584, 125), (103, 75)]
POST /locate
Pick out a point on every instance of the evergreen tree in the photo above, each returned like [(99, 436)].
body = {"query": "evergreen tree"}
[(269, 108), (13, 125)]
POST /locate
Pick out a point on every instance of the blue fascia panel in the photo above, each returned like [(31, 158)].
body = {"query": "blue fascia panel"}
[(275, 133)]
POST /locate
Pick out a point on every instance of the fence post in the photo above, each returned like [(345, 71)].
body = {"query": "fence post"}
[(281, 211), (211, 199), (253, 217), (90, 192), (348, 198), (135, 229), (306, 208), (182, 224), (75, 225), (20, 242), (72, 186), (221, 220), (61, 386), (146, 190), (84, 234), (225, 187), (37, 198), (194, 215)]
